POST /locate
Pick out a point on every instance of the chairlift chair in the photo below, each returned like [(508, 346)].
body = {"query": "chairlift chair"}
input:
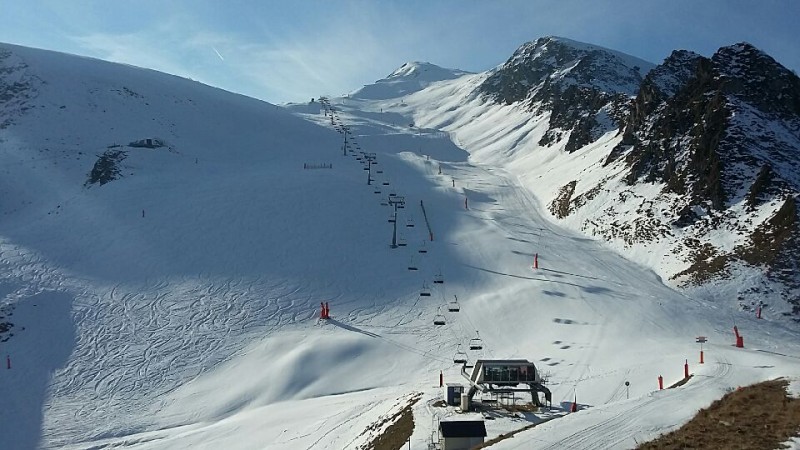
[(453, 306), (426, 291), (401, 241), (384, 201), (392, 217), (438, 320), (460, 357), (412, 266), (385, 182), (380, 171), (410, 222), (476, 343), (438, 278)]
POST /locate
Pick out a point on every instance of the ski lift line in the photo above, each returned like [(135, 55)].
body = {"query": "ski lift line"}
[(412, 349)]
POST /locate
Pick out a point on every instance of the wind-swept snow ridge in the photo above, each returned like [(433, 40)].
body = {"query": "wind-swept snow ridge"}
[(407, 79)]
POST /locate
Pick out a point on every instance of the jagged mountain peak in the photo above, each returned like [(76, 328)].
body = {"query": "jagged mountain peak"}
[(752, 75), (674, 72), (566, 62), (583, 86)]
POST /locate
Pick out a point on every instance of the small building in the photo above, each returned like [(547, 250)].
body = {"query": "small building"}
[(454, 391), (461, 434)]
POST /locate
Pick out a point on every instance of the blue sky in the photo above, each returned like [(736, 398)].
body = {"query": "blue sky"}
[(293, 50)]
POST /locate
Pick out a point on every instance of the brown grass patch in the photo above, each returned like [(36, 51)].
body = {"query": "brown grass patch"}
[(761, 416), (397, 434)]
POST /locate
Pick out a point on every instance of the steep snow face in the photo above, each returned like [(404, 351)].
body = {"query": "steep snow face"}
[(407, 79), (585, 88)]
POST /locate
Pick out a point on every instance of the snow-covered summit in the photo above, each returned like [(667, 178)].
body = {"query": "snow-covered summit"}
[(408, 78), (425, 71), (549, 61)]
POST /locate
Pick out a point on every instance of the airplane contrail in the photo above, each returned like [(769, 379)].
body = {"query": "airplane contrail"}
[(215, 51)]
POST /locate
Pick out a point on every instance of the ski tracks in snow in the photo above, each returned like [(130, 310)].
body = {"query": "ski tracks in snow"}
[(135, 342)]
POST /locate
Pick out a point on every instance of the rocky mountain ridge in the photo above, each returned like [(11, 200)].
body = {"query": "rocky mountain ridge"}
[(721, 137), (585, 87)]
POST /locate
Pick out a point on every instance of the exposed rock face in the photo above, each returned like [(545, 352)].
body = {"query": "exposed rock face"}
[(107, 167), (585, 88), (17, 87), (723, 135), (707, 164)]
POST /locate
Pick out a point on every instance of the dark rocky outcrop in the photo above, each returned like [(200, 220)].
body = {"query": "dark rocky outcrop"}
[(585, 88), (718, 136), (107, 167)]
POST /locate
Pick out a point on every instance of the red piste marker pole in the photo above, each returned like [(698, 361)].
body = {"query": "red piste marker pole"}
[(574, 407), (441, 379), (327, 311), (660, 382), (686, 369), (535, 260)]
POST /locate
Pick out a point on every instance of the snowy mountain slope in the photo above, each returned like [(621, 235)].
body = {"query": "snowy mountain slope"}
[(591, 188), (176, 306), (406, 79)]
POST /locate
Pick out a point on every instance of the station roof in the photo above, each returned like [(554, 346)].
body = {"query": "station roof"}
[(462, 428)]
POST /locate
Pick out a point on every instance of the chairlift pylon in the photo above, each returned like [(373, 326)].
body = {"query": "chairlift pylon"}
[(476, 343)]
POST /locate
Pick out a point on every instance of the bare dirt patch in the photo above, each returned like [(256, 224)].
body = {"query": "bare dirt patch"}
[(396, 435), (761, 416)]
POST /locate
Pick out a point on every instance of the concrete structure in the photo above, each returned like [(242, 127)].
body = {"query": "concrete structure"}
[(461, 434), (502, 376)]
